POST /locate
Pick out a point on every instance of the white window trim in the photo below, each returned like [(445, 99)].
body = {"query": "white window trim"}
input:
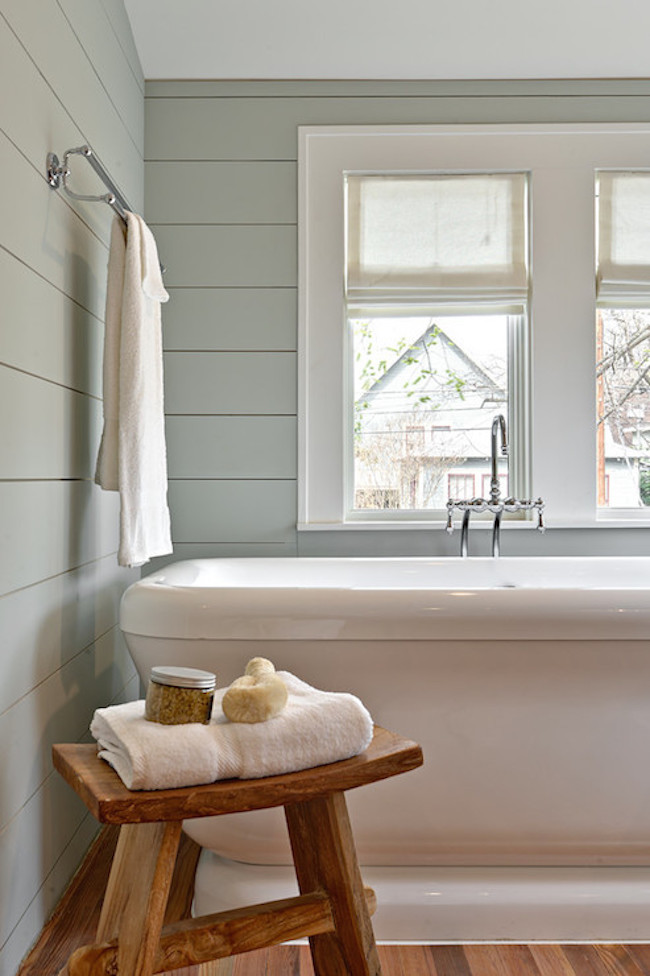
[(562, 160)]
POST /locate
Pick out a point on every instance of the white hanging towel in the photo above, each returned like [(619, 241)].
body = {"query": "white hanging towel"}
[(132, 454)]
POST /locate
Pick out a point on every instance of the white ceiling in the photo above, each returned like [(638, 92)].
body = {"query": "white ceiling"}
[(392, 39)]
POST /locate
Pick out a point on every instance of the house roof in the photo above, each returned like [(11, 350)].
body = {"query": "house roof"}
[(417, 358)]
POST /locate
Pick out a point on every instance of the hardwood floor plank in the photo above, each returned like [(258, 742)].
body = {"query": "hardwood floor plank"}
[(601, 960), (306, 965), (551, 961), (391, 961), (284, 960), (482, 961), (450, 960), (251, 963), (415, 960), (640, 954), (500, 960), (618, 961), (583, 961)]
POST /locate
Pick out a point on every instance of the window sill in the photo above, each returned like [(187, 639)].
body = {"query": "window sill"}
[(617, 522)]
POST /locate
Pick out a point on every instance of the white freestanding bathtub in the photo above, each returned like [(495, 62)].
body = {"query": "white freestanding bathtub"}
[(527, 683)]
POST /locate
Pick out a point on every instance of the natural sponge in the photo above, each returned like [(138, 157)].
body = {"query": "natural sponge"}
[(257, 696)]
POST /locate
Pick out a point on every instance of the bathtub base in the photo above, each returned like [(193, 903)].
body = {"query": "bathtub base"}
[(463, 904)]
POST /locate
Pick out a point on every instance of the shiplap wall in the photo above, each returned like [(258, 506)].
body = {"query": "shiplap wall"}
[(221, 190), (69, 74)]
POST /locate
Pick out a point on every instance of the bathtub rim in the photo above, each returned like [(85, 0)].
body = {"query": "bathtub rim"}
[(154, 607)]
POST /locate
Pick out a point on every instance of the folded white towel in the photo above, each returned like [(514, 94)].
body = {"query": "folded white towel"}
[(132, 455), (316, 727)]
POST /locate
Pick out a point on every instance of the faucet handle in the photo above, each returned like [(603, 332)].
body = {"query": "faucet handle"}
[(450, 508), (539, 505)]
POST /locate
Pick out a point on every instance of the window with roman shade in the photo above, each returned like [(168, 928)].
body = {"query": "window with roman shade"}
[(623, 338), (623, 259), (423, 240)]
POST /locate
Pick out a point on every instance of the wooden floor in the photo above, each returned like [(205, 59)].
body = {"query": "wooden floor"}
[(468, 960), (75, 921)]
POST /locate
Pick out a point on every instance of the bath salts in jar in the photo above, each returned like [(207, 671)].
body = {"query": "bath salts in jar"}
[(176, 696)]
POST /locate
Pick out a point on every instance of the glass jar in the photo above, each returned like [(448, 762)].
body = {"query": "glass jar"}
[(176, 696)]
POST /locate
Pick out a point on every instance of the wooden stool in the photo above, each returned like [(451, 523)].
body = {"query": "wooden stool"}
[(332, 908)]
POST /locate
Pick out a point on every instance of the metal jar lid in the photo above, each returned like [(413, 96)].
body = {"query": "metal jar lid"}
[(184, 678)]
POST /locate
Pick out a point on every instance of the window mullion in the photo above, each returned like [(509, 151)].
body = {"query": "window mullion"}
[(519, 461), (563, 342)]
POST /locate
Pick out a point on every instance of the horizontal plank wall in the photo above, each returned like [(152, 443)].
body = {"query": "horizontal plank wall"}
[(70, 75), (221, 191)]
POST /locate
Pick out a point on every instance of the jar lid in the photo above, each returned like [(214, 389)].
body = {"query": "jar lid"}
[(184, 678)]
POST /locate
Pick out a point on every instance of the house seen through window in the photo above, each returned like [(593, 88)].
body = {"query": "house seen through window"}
[(425, 391)]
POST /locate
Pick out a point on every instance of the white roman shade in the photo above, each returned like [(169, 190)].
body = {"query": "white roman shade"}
[(623, 263), (445, 239)]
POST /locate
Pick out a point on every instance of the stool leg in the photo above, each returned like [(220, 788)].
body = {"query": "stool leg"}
[(136, 894), (325, 858)]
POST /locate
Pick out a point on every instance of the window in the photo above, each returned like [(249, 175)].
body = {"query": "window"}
[(361, 305), (460, 486), (412, 370), (414, 441), (417, 248), (623, 339)]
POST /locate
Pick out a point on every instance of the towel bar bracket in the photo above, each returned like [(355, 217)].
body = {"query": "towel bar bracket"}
[(53, 170), (58, 174)]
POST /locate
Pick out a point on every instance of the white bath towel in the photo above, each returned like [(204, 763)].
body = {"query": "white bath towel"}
[(132, 455), (315, 727)]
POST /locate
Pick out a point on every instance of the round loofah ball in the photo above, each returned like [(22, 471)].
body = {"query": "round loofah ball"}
[(258, 695)]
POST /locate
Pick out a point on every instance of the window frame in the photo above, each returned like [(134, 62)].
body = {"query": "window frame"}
[(559, 367)]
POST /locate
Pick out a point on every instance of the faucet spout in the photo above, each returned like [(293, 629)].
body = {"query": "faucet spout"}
[(464, 534), (496, 534), (498, 427)]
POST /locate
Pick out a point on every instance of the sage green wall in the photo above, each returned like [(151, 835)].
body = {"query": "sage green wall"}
[(221, 189), (69, 75)]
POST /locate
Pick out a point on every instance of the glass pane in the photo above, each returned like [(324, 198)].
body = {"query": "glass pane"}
[(425, 393), (623, 407)]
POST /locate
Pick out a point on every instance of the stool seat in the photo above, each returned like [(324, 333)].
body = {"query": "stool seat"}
[(109, 800), (332, 908)]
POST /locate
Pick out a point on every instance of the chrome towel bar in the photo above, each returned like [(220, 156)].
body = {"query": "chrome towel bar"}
[(58, 175)]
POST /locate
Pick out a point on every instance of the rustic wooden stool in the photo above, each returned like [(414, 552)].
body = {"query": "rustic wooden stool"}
[(332, 908)]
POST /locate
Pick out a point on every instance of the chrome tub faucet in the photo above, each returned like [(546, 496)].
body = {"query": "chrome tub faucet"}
[(494, 504)]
